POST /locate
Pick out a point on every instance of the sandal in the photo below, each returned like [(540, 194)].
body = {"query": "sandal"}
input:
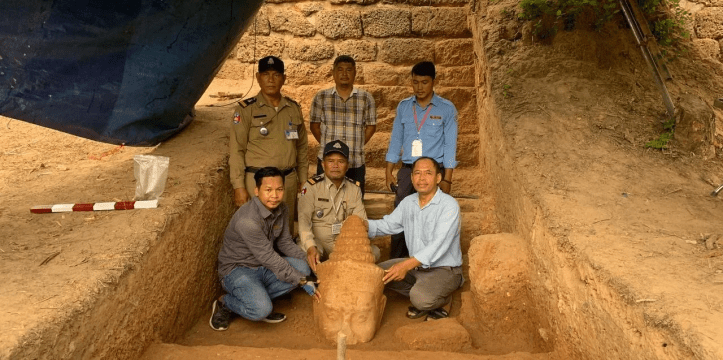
[(414, 313), (436, 314)]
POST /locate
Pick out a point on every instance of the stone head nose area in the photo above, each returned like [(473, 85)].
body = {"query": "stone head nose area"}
[(351, 286)]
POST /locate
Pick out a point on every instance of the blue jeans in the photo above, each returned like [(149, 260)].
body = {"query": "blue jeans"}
[(250, 291)]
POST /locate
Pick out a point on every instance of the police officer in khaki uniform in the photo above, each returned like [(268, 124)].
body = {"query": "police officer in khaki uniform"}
[(268, 130), (326, 201)]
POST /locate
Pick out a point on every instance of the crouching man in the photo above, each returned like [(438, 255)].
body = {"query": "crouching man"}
[(430, 220), (252, 272), (326, 201)]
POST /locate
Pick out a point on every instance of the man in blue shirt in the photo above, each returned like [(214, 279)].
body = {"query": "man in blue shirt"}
[(425, 125), (430, 219)]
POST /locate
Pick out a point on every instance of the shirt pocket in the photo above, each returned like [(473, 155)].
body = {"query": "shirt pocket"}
[(290, 118), (259, 121), (327, 212), (434, 127)]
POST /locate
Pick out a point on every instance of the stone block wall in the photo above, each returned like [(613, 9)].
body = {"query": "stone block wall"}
[(386, 38), (706, 28)]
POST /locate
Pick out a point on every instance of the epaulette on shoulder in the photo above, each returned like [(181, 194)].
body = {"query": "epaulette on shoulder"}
[(447, 101), (353, 181), (292, 100), (247, 102), (315, 179)]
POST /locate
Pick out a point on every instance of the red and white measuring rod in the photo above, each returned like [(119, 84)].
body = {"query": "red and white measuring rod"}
[(101, 206)]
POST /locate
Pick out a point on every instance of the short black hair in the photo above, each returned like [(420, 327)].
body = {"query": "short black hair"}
[(344, 59), (437, 166), (424, 68), (267, 172)]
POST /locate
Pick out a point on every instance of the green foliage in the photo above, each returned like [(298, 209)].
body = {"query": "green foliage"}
[(506, 91), (661, 142), (549, 15), (666, 18), (671, 31)]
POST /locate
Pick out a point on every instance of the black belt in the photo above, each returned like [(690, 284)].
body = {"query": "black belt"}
[(285, 172)]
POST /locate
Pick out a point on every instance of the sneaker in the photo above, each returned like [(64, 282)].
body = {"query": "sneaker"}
[(220, 316), (274, 318)]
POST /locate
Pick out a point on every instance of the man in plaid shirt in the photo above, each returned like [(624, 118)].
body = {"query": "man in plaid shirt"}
[(344, 113)]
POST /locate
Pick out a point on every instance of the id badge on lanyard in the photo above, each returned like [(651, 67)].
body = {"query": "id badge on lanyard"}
[(336, 226), (417, 144)]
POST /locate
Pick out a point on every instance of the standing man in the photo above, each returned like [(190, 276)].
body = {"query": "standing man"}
[(268, 130), (344, 113), (251, 271), (325, 202), (431, 222), (425, 125)]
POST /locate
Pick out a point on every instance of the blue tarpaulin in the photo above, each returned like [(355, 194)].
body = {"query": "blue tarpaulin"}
[(114, 71)]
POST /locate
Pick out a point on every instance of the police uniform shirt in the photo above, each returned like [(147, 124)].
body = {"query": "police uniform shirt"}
[(284, 146), (318, 199)]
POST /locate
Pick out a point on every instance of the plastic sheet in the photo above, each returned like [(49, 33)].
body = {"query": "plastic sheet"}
[(114, 71)]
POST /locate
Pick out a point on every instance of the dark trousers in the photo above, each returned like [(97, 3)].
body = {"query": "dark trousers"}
[(398, 248), (356, 174)]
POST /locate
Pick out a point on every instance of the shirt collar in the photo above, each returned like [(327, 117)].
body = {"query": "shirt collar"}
[(261, 100), (435, 199), (353, 91), (328, 184), (434, 101), (263, 211)]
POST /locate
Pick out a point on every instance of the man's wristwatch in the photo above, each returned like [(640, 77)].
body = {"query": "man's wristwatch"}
[(303, 281)]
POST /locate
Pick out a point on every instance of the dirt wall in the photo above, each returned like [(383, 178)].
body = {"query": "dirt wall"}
[(593, 315), (163, 287)]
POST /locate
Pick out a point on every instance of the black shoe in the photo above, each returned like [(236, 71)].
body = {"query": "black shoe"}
[(274, 318), (414, 313), (436, 314), (220, 316)]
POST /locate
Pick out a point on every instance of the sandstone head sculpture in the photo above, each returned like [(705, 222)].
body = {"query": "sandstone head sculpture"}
[(351, 286)]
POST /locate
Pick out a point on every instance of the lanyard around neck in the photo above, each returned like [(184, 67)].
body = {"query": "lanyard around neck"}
[(424, 119), (336, 206)]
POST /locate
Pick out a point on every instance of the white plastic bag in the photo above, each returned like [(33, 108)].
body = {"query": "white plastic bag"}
[(151, 173)]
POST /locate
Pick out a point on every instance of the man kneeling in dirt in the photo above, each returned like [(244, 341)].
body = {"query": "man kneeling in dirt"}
[(251, 271), (431, 223)]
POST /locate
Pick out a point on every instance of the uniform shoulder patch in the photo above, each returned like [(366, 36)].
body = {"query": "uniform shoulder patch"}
[(292, 101), (247, 102), (353, 181), (315, 179)]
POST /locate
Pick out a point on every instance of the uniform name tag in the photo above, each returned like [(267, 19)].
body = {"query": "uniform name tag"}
[(259, 116), (417, 148), (435, 117), (292, 134), (322, 199), (336, 229)]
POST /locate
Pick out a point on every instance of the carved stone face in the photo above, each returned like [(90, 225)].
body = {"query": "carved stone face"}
[(357, 309), (352, 289)]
